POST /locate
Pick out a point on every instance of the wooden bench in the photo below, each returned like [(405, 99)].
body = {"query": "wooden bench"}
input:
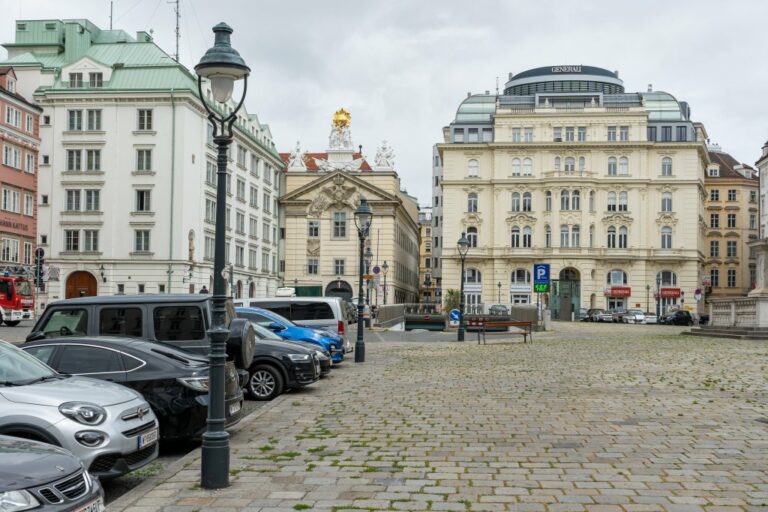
[(525, 329)]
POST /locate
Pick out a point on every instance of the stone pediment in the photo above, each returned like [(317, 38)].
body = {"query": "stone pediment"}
[(666, 219), (472, 219), (336, 190), (617, 218), (521, 218)]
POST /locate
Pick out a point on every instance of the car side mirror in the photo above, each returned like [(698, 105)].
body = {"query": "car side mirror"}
[(274, 326), (35, 335)]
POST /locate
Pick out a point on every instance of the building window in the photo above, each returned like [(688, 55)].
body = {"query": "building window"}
[(730, 248), (527, 167), (242, 155), (576, 236), (143, 159), (617, 277), (472, 168), (623, 236), (666, 166), (141, 240), (570, 165), (265, 229), (527, 236), (95, 79), (210, 173), (557, 134), (91, 240), (71, 240), (611, 201), (73, 201), (714, 277), (145, 120), (582, 135), (528, 134), (666, 134), (254, 197), (623, 166), (592, 236), (714, 195), (548, 201), (472, 236), (312, 266), (591, 200), (564, 236), (487, 135), (144, 201), (516, 135), (731, 278), (527, 201), (93, 159), (28, 253), (209, 134), (611, 133), (253, 227), (612, 166), (76, 80), (557, 163), (666, 201), (666, 237), (339, 225), (75, 122), (11, 200), (240, 190), (731, 194), (547, 236), (472, 202), (565, 200), (623, 202), (515, 236), (611, 239), (713, 172), (714, 220), (752, 221), (731, 220), (92, 200), (240, 222), (752, 196), (13, 116), (29, 205), (12, 156), (30, 168), (575, 200), (515, 201), (266, 202), (624, 133), (714, 248), (338, 267), (94, 120), (515, 167), (472, 135), (239, 256), (569, 134), (682, 133), (313, 229), (210, 210)]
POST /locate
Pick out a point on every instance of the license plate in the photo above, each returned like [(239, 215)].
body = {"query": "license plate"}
[(94, 506), (234, 408), (147, 439)]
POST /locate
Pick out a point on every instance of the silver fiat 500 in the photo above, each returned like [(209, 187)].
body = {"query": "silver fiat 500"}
[(111, 428)]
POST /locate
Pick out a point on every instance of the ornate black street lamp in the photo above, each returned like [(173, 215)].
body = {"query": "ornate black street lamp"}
[(499, 286), (222, 66), (463, 247), (363, 220), (384, 270)]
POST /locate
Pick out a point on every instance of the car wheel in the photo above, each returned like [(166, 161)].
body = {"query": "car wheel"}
[(264, 382), (12, 323)]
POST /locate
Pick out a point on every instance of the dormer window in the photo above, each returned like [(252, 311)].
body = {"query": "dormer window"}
[(95, 79), (12, 86), (714, 172), (75, 80)]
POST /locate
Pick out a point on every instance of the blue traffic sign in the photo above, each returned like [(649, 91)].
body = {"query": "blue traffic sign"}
[(454, 315), (541, 273)]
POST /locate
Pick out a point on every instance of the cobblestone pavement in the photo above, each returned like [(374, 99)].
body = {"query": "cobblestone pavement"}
[(624, 418)]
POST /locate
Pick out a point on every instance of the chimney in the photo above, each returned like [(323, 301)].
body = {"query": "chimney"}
[(511, 74), (487, 92), (469, 94), (143, 37), (765, 148), (650, 87)]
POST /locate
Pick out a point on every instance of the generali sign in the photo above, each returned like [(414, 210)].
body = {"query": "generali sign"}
[(566, 69), (618, 291)]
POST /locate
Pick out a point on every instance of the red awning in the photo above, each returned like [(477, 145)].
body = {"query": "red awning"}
[(618, 291)]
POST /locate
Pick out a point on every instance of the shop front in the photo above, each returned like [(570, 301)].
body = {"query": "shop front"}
[(617, 297), (668, 298)]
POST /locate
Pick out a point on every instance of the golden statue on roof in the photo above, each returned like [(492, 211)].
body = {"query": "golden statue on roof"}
[(342, 118)]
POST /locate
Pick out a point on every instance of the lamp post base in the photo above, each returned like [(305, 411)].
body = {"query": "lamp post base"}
[(215, 460), (359, 352)]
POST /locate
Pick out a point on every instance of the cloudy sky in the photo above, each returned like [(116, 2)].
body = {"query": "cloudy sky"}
[(402, 67)]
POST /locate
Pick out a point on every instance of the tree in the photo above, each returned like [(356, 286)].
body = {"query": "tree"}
[(451, 299)]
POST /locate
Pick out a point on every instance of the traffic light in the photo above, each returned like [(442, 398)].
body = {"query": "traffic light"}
[(39, 261)]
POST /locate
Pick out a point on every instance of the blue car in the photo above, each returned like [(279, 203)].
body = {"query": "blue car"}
[(292, 332)]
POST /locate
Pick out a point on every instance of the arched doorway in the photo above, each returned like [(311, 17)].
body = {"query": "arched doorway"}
[(239, 293), (339, 288), (566, 294), (80, 284), (252, 290)]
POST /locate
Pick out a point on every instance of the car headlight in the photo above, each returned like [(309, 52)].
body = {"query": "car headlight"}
[(298, 357), (15, 501), (83, 412), (321, 355), (195, 383)]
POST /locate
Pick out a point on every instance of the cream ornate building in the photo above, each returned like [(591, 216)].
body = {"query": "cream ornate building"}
[(732, 220), (427, 283), (567, 168), (321, 246)]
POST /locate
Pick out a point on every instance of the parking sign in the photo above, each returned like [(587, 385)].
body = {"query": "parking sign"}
[(541, 277)]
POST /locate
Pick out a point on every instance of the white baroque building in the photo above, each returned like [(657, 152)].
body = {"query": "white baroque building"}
[(567, 168), (127, 168)]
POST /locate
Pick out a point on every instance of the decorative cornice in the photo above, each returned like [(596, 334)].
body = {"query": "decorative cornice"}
[(617, 218), (521, 218), (666, 219), (472, 219)]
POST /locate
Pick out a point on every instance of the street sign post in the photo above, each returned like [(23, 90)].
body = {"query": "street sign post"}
[(541, 277), (453, 317)]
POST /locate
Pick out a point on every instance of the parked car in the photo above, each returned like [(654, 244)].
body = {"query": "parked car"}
[(704, 319), (592, 314), (650, 318), (292, 332), (677, 318), (605, 316), (174, 382), (498, 310), (262, 333), (616, 314), (182, 320), (325, 313), (111, 428), (581, 316), (633, 316), (42, 477)]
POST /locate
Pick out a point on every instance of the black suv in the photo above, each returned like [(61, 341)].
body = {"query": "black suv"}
[(677, 318), (181, 320)]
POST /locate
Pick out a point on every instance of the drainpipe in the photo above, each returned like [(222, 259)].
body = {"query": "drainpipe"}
[(173, 188)]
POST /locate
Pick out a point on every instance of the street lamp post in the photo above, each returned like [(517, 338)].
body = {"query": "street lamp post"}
[(463, 247), (222, 66), (647, 297), (384, 270), (499, 286), (658, 296), (363, 220)]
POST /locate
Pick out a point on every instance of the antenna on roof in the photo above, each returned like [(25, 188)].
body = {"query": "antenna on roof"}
[(497, 86), (110, 14), (178, 32)]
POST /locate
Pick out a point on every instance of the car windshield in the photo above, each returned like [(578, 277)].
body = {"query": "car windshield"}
[(263, 317), (263, 333), (17, 368), (635, 312), (24, 288)]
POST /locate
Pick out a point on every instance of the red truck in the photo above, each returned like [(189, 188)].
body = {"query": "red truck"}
[(17, 301)]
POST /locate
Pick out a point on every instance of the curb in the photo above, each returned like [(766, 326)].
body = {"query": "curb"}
[(138, 492)]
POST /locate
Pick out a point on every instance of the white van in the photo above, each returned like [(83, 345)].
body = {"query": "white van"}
[(315, 312)]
